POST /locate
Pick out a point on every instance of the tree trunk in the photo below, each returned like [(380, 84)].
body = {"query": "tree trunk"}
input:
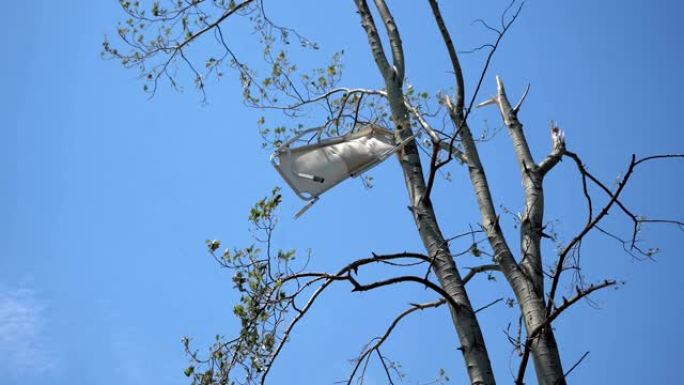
[(470, 335), (543, 347), (530, 289), (468, 329)]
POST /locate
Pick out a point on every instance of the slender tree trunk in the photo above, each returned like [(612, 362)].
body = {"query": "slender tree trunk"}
[(472, 342), (466, 324), (526, 278), (547, 362), (532, 305)]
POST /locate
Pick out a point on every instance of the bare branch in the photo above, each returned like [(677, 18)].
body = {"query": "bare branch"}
[(365, 355), (489, 305), (581, 293), (522, 100), (434, 166), (436, 140), (679, 224), (588, 227), (533, 217), (576, 364), (453, 56), (535, 333), (487, 26), (394, 38), (664, 156), (480, 269), (490, 56), (557, 152), (406, 278)]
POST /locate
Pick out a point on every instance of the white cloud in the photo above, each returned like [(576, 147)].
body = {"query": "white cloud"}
[(23, 345)]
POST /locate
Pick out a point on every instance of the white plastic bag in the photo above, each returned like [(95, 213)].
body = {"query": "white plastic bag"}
[(313, 169)]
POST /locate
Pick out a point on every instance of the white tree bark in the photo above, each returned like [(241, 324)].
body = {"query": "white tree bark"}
[(469, 332), (532, 306), (526, 279)]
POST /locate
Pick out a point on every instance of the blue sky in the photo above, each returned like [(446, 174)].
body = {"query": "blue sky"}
[(107, 197)]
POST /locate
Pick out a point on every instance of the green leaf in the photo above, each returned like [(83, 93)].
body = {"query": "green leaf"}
[(213, 244), (189, 371)]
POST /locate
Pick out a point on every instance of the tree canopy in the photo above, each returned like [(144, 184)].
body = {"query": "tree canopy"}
[(527, 252)]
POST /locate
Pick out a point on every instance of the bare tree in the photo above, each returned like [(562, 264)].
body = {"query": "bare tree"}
[(158, 39)]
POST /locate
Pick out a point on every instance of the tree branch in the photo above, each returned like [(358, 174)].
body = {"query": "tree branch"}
[(480, 269), (213, 25), (394, 38), (490, 56), (436, 139), (490, 220), (489, 305), (453, 56), (533, 217), (556, 155), (374, 41), (581, 293), (406, 278), (576, 364), (588, 227), (535, 333), (365, 355)]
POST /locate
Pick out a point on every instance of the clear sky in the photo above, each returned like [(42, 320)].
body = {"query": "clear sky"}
[(106, 197)]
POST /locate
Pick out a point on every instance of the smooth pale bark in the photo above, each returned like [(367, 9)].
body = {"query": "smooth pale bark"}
[(532, 305), (533, 216), (469, 332), (545, 353), (526, 279)]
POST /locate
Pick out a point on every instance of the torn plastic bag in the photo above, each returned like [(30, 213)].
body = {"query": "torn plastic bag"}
[(313, 169)]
